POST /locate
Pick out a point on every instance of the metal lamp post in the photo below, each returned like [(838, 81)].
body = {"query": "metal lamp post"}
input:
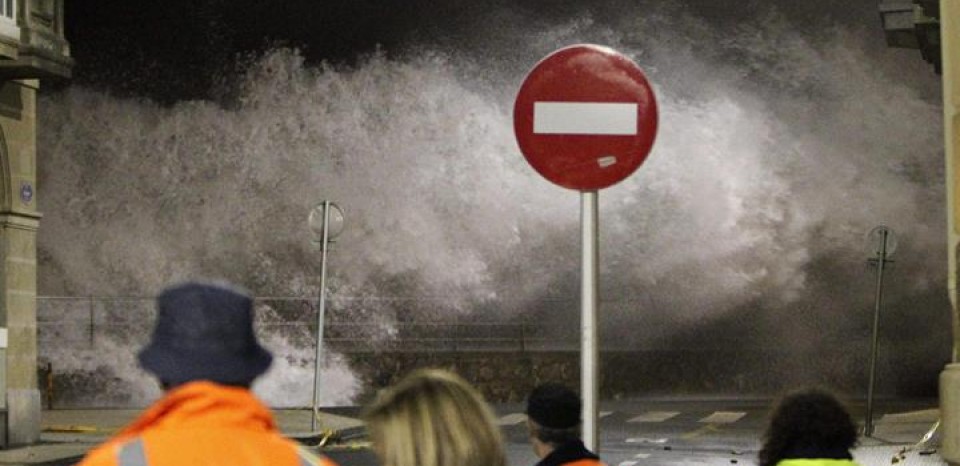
[(326, 223), (883, 243)]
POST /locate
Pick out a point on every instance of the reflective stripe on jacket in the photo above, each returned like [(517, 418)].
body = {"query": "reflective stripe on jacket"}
[(202, 423), (132, 454)]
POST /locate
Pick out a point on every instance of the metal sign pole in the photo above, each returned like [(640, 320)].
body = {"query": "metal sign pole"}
[(881, 260), (589, 355), (320, 311), (584, 131)]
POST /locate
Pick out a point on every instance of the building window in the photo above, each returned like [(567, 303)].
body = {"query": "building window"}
[(7, 11), (8, 19)]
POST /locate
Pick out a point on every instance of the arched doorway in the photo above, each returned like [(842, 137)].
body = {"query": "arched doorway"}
[(20, 400)]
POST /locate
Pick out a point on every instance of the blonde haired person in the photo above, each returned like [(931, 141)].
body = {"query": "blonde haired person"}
[(434, 418)]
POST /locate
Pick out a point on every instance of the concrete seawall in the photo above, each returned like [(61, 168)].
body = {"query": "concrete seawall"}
[(506, 377)]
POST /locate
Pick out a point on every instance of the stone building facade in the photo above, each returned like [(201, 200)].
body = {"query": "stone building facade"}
[(32, 48)]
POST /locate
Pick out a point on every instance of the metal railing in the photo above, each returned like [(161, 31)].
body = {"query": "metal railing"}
[(81, 322)]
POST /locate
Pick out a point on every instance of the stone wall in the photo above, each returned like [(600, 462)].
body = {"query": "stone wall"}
[(509, 376)]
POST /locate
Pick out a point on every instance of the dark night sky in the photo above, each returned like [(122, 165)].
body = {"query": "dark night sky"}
[(157, 43), (181, 49)]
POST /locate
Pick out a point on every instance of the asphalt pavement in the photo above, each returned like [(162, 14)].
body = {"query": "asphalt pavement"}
[(632, 433)]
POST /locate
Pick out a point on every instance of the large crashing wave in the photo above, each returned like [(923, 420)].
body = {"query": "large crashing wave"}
[(778, 151)]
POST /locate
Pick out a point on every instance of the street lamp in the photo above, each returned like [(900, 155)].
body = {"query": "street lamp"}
[(326, 223), (883, 243)]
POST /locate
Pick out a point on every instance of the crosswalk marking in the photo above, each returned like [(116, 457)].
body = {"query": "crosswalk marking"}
[(723, 417), (516, 418), (628, 463), (709, 428), (717, 417), (654, 416), (512, 419), (646, 440), (642, 456)]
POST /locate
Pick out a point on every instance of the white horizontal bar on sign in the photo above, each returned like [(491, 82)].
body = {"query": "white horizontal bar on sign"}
[(594, 118)]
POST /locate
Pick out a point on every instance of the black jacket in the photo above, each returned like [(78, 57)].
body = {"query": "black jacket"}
[(569, 453)]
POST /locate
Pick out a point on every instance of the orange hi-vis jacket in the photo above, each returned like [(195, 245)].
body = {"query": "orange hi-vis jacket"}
[(203, 423)]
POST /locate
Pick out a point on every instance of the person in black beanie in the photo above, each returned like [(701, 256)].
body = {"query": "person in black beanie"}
[(553, 420)]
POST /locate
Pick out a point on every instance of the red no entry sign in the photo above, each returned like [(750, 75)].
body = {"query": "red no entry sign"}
[(585, 117)]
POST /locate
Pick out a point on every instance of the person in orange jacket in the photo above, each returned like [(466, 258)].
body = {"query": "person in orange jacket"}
[(205, 355), (553, 423)]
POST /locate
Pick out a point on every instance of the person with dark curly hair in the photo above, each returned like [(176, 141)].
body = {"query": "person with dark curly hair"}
[(809, 428)]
